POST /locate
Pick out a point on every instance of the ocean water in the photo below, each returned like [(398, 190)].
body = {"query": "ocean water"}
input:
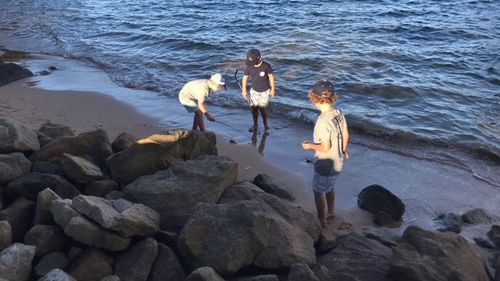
[(416, 72)]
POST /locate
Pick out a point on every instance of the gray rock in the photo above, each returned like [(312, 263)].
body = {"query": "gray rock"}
[(450, 222), (301, 272), (158, 152), (483, 243), (57, 275), (122, 142), (30, 185), (270, 185), (121, 204), (135, 264), (111, 278), (45, 167), (113, 195), (10, 72), (42, 211), (204, 180), (15, 262), (204, 274), (15, 137), (266, 277), (74, 252), (62, 211), (92, 265), (5, 235), (226, 237), (46, 238), (168, 238), (53, 131), (355, 258), (93, 146), (241, 191), (494, 235), (325, 244), (79, 169), (497, 269), (101, 188), (97, 209), (166, 266), (137, 219), (54, 260), (12, 166), (20, 216), (229, 237), (425, 255), (376, 198), (89, 233), (479, 216)]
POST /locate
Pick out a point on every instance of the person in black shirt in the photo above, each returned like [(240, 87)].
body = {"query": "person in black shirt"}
[(263, 85)]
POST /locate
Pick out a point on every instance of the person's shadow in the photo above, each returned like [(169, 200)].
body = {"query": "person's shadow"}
[(262, 144)]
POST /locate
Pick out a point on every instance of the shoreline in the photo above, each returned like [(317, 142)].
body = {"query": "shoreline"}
[(426, 187)]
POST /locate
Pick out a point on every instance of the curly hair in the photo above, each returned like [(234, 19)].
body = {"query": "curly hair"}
[(327, 97)]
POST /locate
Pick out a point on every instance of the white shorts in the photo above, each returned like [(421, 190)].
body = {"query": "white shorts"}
[(259, 98)]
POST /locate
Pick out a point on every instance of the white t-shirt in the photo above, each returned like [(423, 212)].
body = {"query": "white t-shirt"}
[(330, 126), (196, 90)]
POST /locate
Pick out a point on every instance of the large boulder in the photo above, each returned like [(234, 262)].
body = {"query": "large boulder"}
[(42, 212), (204, 274), (5, 235), (166, 266), (79, 169), (494, 235), (12, 166), (355, 258), (301, 272), (10, 72), (122, 142), (124, 217), (100, 188), (49, 262), (425, 255), (267, 232), (57, 275), (15, 137), (49, 131), (85, 231), (270, 185), (30, 185), (93, 146), (15, 262), (450, 222), (135, 264), (479, 216), (46, 238), (158, 152), (375, 198), (91, 265), (173, 193), (20, 217)]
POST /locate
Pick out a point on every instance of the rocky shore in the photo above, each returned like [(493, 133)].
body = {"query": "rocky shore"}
[(168, 207)]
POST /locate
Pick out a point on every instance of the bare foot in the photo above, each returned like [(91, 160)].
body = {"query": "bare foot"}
[(330, 216), (324, 223)]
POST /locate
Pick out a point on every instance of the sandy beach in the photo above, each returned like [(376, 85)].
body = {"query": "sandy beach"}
[(84, 99)]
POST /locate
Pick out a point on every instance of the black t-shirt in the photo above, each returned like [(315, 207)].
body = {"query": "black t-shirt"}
[(259, 76)]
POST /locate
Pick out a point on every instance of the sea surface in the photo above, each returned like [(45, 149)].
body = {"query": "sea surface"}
[(417, 73)]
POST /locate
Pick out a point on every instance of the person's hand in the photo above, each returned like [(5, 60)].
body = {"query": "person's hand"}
[(209, 117), (306, 145), (346, 155), (273, 93), (245, 95)]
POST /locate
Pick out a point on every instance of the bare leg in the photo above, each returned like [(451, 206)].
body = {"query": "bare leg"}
[(255, 115), (330, 203), (319, 199), (195, 121), (263, 112), (198, 116)]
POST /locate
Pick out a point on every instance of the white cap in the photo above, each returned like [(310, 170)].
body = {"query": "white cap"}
[(218, 79)]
